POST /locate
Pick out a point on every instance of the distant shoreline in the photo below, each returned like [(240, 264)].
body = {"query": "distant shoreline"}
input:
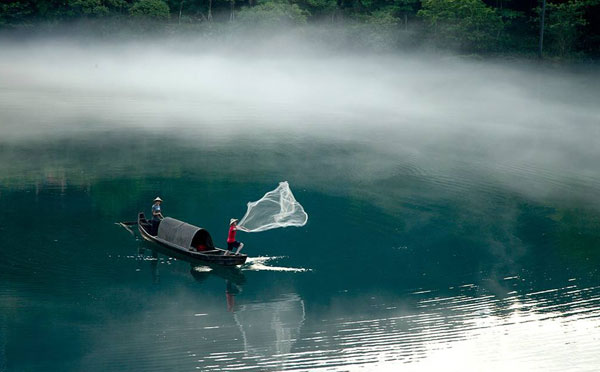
[(561, 32), (354, 38)]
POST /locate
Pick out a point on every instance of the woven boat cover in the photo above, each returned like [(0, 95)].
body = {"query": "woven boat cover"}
[(177, 232)]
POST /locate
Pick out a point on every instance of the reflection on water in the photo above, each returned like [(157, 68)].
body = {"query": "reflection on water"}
[(485, 326), (419, 283), (270, 329), (419, 276), (477, 332)]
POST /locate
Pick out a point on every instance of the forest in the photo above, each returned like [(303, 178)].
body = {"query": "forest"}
[(571, 28)]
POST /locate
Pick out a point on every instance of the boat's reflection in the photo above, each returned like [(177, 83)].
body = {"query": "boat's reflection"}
[(200, 270), (269, 327)]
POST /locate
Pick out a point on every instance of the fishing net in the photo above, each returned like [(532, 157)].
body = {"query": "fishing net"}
[(278, 208)]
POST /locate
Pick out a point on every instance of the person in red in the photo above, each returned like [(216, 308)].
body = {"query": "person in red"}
[(231, 242)]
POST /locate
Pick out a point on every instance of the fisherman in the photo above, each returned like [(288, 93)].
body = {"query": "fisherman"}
[(156, 215), (231, 242)]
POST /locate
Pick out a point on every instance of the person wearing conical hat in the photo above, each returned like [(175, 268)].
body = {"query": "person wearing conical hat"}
[(156, 215), (231, 242)]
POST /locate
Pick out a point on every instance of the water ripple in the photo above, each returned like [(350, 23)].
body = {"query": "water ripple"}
[(492, 333)]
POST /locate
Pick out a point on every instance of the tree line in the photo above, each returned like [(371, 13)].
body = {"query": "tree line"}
[(571, 27)]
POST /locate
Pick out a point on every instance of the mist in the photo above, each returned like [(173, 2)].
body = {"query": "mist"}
[(524, 125)]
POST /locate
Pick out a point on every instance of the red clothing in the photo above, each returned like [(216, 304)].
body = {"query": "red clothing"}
[(231, 235)]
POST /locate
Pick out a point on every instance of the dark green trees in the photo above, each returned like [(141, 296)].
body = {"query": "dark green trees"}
[(150, 9), (273, 13), (97, 8), (471, 26), (565, 23), (466, 24)]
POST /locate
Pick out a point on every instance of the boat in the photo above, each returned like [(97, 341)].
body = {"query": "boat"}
[(188, 240)]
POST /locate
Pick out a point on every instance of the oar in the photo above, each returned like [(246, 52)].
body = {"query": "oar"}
[(126, 225)]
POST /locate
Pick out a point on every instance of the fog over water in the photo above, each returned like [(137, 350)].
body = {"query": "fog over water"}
[(453, 202), (439, 111)]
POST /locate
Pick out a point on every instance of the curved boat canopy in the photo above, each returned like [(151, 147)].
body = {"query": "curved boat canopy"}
[(183, 234)]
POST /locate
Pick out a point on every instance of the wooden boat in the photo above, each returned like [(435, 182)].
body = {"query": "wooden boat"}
[(186, 239)]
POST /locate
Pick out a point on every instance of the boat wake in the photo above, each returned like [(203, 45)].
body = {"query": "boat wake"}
[(202, 269), (261, 264)]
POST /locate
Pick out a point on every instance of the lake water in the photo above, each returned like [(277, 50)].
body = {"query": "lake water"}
[(454, 218)]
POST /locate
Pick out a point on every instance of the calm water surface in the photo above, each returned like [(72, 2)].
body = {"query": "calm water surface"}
[(431, 244)]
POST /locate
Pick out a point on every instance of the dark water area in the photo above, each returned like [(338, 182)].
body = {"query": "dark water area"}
[(460, 238)]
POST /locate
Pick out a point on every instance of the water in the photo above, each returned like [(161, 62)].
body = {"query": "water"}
[(451, 225)]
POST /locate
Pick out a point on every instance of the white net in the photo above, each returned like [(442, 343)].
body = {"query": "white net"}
[(278, 208)]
